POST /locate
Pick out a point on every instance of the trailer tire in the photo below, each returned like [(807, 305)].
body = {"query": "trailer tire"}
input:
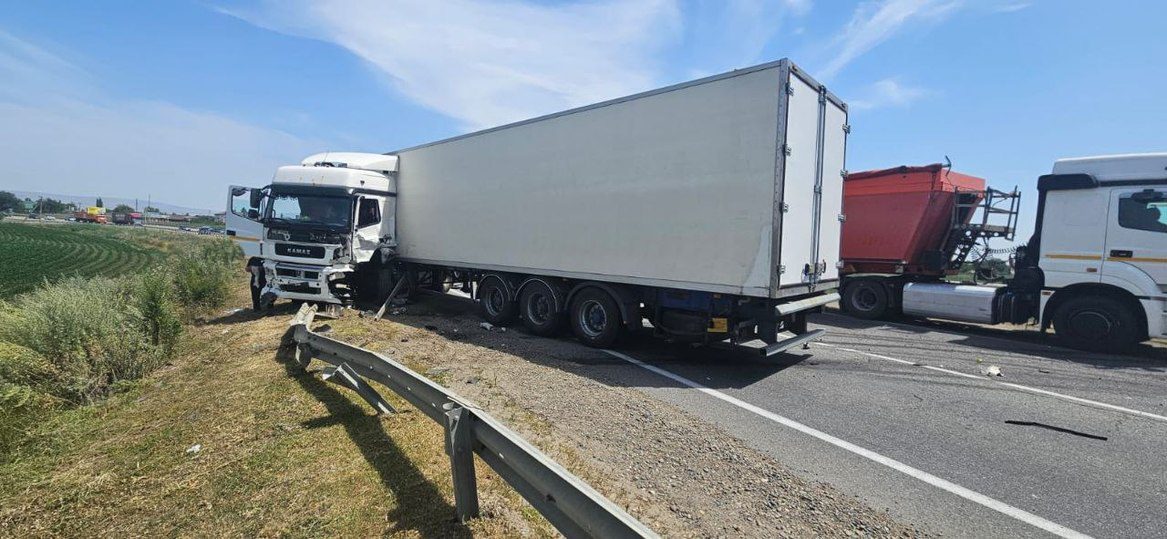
[(1096, 324), (494, 304), (595, 318), (539, 309), (866, 298)]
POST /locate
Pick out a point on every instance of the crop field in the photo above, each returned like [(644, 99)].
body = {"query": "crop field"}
[(30, 254)]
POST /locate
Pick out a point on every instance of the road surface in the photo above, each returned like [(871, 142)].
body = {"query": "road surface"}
[(909, 418)]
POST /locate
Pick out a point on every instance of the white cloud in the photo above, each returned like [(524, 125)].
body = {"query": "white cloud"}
[(875, 22), (720, 35), (887, 93), (1011, 7), (63, 136), (488, 62)]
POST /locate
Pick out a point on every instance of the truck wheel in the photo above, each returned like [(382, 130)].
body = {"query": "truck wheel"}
[(494, 306), (537, 309), (595, 318), (865, 299), (1096, 324)]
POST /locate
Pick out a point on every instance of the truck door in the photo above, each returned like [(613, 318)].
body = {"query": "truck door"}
[(1136, 234), (242, 218), (800, 183), (367, 236), (812, 189), (831, 211)]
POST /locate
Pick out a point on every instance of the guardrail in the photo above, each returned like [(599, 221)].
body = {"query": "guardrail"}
[(573, 507)]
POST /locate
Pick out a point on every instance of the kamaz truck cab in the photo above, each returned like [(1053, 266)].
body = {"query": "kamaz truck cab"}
[(1100, 246), (309, 232)]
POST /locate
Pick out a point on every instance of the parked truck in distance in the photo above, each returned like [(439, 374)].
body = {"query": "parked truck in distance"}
[(92, 214), (710, 208), (127, 218), (1095, 268)]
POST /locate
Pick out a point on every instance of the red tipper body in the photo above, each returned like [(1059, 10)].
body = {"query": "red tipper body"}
[(895, 215)]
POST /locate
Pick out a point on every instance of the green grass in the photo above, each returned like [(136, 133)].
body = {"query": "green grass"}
[(32, 254)]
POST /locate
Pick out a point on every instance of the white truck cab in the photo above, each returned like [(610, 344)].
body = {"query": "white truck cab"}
[(316, 222), (1100, 242)]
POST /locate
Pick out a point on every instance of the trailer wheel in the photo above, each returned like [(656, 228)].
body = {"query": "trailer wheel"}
[(865, 299), (538, 309), (1096, 324), (595, 318), (494, 305)]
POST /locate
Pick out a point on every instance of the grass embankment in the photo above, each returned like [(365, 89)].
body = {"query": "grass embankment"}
[(278, 452)]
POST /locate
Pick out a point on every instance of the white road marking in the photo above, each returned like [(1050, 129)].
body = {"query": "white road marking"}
[(1046, 392), (943, 484)]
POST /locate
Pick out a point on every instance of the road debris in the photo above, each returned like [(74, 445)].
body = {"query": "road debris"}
[(992, 370)]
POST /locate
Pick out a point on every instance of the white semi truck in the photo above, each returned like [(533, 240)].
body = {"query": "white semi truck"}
[(710, 208), (1095, 268)]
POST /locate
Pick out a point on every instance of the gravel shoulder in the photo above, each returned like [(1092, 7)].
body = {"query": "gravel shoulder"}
[(678, 474)]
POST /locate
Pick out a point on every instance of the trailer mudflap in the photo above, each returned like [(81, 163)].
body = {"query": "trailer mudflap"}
[(805, 304)]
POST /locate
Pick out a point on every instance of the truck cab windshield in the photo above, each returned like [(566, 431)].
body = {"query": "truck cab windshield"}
[(312, 210)]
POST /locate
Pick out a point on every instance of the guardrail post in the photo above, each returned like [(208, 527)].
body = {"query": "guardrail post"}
[(303, 355), (460, 447)]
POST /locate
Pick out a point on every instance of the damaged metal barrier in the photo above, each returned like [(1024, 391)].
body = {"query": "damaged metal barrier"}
[(568, 503)]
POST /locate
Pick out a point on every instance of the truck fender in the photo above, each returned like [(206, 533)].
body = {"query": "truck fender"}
[(1091, 289), (624, 300), (557, 292), (507, 284)]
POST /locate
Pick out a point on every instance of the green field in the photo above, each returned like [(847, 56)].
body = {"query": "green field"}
[(31, 253)]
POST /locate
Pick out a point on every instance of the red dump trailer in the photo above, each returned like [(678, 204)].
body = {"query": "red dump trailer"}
[(913, 224)]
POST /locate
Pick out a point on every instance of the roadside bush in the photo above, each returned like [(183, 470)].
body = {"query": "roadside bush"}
[(203, 277), (25, 377), (87, 329), (154, 297)]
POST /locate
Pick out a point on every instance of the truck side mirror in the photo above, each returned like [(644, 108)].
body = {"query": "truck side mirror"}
[(256, 198)]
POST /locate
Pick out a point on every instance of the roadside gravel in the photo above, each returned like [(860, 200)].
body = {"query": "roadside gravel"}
[(681, 476)]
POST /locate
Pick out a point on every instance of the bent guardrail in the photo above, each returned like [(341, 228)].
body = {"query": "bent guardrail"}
[(570, 504)]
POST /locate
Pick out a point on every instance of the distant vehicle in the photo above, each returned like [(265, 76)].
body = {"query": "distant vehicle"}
[(90, 217), (1095, 268), (204, 230), (127, 218), (50, 218), (712, 208), (33, 216)]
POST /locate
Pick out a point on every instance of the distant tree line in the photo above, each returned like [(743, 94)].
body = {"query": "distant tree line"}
[(10, 203)]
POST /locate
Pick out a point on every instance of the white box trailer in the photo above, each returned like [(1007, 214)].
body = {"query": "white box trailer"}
[(728, 184), (712, 208)]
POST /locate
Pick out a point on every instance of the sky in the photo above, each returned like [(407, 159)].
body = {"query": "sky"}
[(177, 100)]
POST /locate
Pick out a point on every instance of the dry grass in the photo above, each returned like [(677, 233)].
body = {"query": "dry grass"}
[(282, 453)]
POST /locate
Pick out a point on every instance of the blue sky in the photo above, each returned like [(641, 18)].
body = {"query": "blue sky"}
[(176, 100)]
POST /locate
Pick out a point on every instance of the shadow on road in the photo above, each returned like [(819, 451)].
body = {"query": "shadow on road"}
[(456, 319)]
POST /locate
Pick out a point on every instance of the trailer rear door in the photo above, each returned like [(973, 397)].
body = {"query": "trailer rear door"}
[(831, 210), (810, 165)]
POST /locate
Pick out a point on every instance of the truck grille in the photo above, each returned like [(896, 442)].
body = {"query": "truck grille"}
[(300, 251)]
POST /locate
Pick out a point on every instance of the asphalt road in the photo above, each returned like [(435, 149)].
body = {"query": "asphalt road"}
[(904, 417)]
